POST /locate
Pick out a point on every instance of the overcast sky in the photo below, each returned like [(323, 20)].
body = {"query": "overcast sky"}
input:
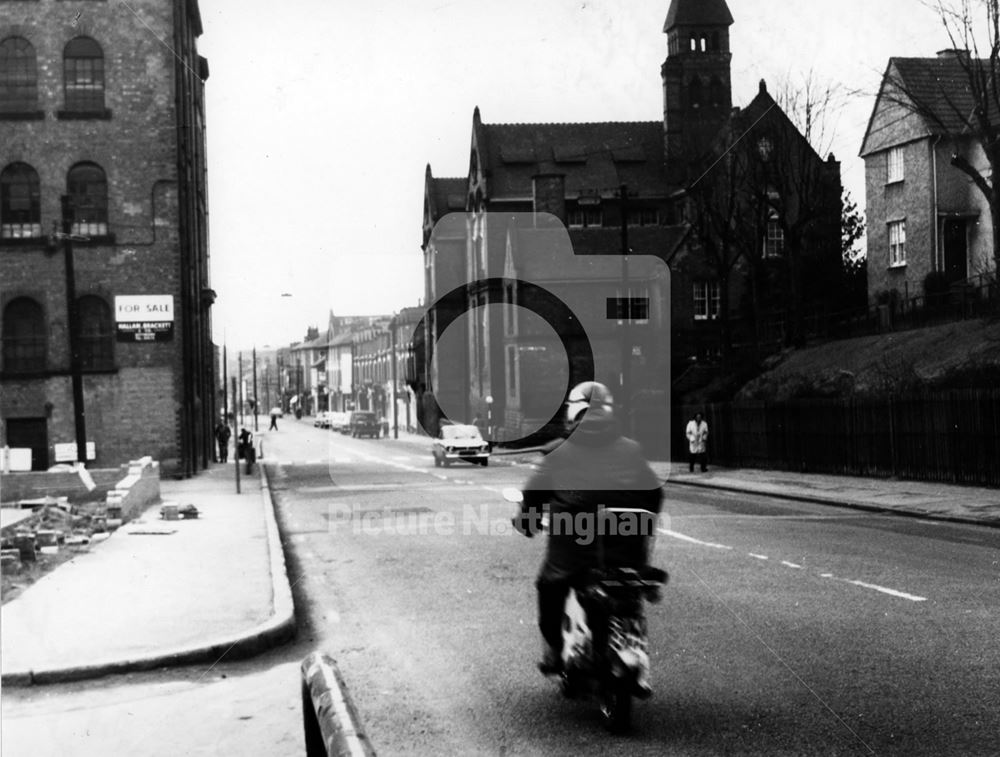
[(322, 115)]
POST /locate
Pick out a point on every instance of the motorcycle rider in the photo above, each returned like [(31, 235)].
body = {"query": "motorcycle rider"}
[(596, 465)]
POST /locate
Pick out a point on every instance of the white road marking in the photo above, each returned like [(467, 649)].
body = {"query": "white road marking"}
[(684, 537), (885, 590), (790, 564), (759, 557)]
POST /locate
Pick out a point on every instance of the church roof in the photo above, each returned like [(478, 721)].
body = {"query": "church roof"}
[(591, 156), (697, 13)]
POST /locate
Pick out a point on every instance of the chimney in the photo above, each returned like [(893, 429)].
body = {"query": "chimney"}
[(549, 194), (953, 52)]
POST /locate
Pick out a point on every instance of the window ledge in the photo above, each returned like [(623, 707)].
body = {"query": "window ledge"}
[(23, 242), (27, 115), (94, 241), (894, 266), (894, 181), (84, 115)]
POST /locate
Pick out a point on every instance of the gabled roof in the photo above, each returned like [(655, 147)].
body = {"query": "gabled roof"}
[(938, 89), (698, 13), (591, 156)]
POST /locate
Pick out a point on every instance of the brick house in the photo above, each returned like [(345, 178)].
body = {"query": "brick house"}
[(924, 215), (607, 185), (102, 138)]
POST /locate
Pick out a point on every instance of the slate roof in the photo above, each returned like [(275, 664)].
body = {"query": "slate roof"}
[(591, 156), (939, 86), (698, 13), (448, 195)]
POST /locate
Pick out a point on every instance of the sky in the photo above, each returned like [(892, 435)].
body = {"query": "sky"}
[(323, 114)]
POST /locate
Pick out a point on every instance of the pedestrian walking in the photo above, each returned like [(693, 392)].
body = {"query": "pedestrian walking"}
[(222, 435), (697, 434), (274, 422)]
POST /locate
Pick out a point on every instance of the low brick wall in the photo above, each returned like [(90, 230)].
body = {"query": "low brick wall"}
[(139, 488), (131, 487)]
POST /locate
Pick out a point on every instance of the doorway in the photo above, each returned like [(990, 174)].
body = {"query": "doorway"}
[(956, 250), (32, 433)]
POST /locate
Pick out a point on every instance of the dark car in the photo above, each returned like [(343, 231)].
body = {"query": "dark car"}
[(365, 423)]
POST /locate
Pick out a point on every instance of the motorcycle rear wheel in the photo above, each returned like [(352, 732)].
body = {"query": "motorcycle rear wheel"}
[(616, 707)]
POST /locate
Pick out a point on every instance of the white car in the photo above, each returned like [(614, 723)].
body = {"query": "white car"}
[(322, 419), (340, 421), (460, 442)]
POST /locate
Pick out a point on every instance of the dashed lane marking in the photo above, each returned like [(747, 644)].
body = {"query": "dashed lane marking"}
[(790, 564), (691, 539), (758, 557)]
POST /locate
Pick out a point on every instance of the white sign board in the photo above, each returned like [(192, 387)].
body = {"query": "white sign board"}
[(66, 452), (144, 317)]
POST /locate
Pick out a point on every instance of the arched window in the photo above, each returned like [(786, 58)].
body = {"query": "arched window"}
[(18, 76), (20, 203), (694, 43), (96, 337), (23, 336), (87, 188), (715, 91), (83, 75), (695, 95), (703, 44)]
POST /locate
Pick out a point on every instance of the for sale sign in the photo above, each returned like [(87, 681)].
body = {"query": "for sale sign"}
[(144, 317)]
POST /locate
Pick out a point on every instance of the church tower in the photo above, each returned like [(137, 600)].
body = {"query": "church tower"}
[(697, 89)]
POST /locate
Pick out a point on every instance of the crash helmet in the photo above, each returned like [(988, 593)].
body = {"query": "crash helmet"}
[(591, 397)]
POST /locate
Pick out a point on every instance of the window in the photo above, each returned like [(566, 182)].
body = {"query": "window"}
[(583, 217), (897, 243), (894, 165), (96, 337), (23, 336), (706, 300), (695, 96), (643, 217), (83, 76), (633, 307), (715, 91), (20, 204), (88, 199), (512, 371), (774, 239), (18, 76)]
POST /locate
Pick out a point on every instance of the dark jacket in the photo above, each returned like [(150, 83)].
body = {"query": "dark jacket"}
[(595, 466)]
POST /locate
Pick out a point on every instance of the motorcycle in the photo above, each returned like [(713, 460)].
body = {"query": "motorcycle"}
[(604, 652)]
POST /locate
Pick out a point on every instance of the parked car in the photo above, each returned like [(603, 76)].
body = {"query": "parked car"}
[(365, 423), (460, 442), (322, 419), (340, 421)]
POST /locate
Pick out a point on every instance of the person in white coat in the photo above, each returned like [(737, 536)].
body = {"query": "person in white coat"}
[(697, 434)]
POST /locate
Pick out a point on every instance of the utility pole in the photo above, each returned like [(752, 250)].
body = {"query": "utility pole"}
[(626, 333), (236, 445), (393, 369), (255, 388), (239, 364), (73, 327), (225, 386)]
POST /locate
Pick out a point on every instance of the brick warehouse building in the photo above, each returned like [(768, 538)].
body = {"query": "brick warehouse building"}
[(102, 135)]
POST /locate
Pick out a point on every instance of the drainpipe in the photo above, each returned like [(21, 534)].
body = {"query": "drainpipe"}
[(934, 210)]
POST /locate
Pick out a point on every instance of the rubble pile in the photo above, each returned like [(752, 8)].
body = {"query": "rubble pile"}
[(55, 533)]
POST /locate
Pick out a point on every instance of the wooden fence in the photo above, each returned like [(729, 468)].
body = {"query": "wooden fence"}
[(951, 437)]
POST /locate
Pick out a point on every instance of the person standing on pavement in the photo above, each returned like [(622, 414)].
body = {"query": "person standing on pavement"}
[(697, 434), (222, 434), (274, 422)]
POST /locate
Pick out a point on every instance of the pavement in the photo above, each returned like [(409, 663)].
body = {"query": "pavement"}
[(179, 592), (159, 592)]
